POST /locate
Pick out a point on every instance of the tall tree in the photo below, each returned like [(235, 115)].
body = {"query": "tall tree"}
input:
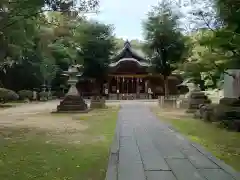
[(165, 42), (222, 18), (30, 39), (17, 21), (203, 66), (97, 45)]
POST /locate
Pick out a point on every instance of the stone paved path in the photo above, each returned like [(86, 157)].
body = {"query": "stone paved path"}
[(146, 149)]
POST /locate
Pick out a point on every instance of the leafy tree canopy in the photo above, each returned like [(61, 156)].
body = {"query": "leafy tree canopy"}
[(164, 40)]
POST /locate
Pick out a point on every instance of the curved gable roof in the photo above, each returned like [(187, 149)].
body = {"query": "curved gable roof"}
[(140, 63), (128, 52)]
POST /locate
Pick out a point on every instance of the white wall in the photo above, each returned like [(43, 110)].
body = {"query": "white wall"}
[(228, 83)]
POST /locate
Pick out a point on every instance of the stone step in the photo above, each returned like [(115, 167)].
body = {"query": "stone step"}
[(71, 108)]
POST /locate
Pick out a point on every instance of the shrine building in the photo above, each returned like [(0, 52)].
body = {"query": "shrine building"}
[(129, 78)]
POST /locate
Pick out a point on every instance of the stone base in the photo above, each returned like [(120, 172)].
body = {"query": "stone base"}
[(190, 111), (97, 103), (195, 99), (72, 103), (71, 112)]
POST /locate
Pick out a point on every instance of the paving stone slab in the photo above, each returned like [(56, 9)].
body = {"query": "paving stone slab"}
[(216, 174), (164, 141), (146, 142), (115, 145), (160, 175), (151, 157), (220, 163), (169, 151), (184, 170), (116, 140), (112, 167), (168, 137), (130, 164), (126, 129), (198, 159), (208, 155)]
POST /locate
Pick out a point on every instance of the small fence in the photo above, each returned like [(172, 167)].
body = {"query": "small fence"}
[(168, 101), (181, 101)]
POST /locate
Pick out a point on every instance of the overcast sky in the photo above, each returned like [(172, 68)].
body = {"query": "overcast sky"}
[(126, 16)]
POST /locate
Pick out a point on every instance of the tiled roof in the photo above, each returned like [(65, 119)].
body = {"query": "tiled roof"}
[(131, 60), (137, 54)]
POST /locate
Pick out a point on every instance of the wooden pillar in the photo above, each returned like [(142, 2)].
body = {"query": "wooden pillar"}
[(133, 84), (108, 88), (146, 86), (117, 84), (138, 89), (123, 81), (137, 85), (127, 85), (118, 91)]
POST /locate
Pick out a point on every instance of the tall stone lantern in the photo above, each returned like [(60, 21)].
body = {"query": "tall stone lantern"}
[(73, 100)]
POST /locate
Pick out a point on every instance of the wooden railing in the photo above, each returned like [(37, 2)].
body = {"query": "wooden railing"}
[(168, 101)]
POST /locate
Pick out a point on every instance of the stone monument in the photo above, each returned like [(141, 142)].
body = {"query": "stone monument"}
[(227, 111), (232, 83), (195, 97), (73, 102)]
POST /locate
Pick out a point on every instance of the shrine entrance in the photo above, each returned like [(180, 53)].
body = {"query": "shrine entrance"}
[(129, 78), (127, 84), (128, 73)]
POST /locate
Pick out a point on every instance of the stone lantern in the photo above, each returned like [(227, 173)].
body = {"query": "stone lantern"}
[(73, 100)]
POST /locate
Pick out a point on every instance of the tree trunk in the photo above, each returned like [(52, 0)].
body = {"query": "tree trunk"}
[(202, 85), (97, 87), (165, 81)]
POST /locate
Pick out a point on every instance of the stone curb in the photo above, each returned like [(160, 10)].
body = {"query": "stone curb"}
[(112, 170), (201, 149), (217, 161), (111, 173)]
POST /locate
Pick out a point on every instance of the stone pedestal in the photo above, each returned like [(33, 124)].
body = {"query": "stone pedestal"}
[(195, 99), (227, 112), (73, 102), (97, 103)]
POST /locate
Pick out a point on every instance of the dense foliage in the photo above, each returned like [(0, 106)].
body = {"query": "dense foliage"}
[(39, 39), (165, 43), (215, 43), (97, 46)]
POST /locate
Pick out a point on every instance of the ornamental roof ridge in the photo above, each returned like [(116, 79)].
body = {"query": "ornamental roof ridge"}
[(128, 48), (129, 59), (127, 44)]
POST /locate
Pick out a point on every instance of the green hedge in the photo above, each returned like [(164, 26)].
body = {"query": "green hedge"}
[(25, 94), (43, 96), (8, 95)]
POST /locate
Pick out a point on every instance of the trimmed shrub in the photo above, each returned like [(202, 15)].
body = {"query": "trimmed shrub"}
[(25, 94), (43, 96), (233, 125), (8, 95), (59, 94)]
